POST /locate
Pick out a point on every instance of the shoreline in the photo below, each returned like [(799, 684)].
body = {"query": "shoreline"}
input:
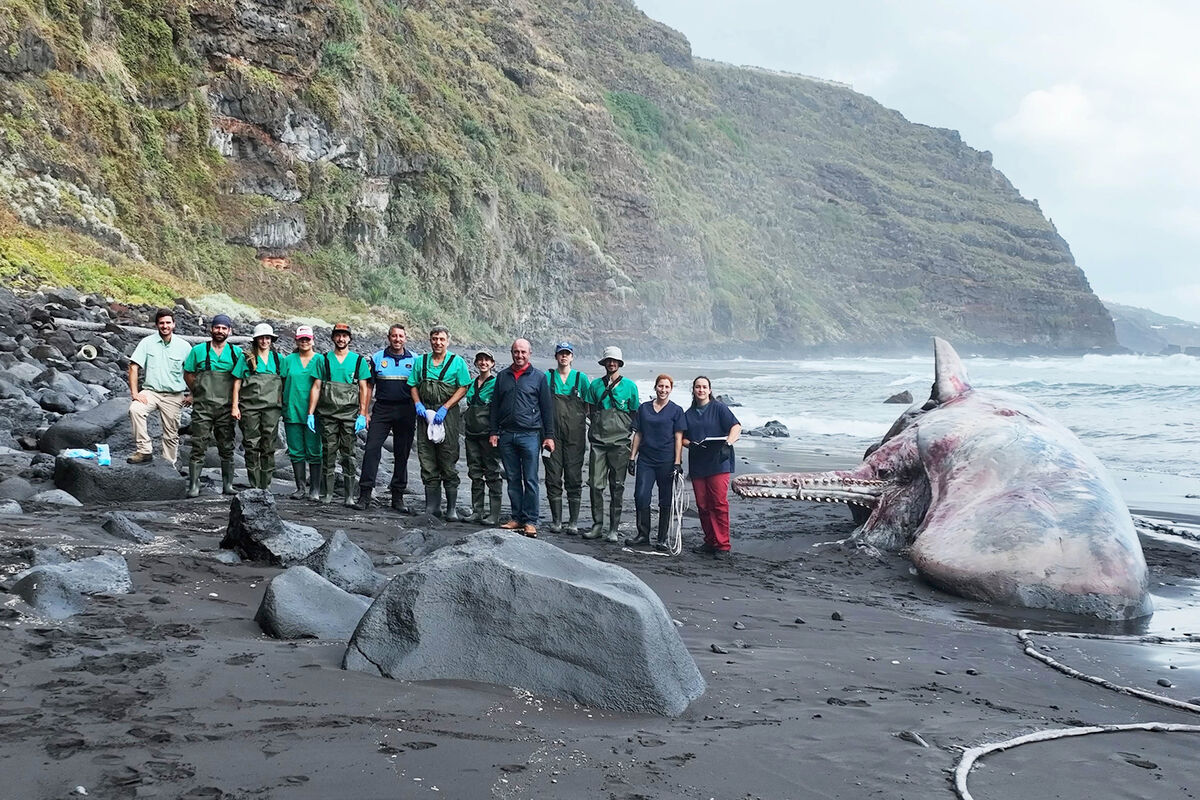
[(173, 689)]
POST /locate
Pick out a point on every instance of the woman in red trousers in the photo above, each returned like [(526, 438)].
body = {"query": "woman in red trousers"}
[(711, 431)]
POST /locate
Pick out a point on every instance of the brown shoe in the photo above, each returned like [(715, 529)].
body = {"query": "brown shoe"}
[(530, 531), (511, 525), (140, 458)]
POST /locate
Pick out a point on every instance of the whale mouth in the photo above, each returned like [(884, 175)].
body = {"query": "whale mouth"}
[(818, 487)]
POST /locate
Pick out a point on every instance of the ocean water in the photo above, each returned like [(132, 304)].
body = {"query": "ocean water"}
[(1137, 413)]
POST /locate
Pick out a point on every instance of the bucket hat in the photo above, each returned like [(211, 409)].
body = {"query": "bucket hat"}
[(613, 352), (264, 329)]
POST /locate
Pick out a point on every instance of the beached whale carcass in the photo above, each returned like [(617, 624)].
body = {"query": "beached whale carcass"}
[(992, 499)]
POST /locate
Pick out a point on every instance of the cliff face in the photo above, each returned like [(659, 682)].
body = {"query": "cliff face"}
[(535, 166)]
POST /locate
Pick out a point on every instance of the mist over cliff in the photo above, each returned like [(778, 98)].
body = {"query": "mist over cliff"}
[(522, 166)]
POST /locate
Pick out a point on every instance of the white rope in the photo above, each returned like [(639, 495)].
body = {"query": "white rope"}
[(971, 755)]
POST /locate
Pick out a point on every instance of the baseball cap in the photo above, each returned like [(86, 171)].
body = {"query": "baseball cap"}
[(341, 327), (558, 348), (304, 332), (487, 353)]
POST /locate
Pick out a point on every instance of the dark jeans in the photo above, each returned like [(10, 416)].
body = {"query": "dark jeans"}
[(519, 452), (399, 420), (643, 484)]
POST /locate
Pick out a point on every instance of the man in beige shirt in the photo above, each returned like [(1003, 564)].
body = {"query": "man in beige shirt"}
[(159, 358)]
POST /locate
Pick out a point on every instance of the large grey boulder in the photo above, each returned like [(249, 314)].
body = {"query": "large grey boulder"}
[(10, 507), (256, 532), (86, 428), (120, 482), (519, 612), (57, 589), (16, 488), (345, 565), (299, 604), (121, 526)]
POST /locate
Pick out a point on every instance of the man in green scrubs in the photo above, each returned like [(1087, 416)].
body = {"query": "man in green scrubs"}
[(304, 446), (564, 467), (208, 371), (340, 394), (258, 404), (614, 401), (438, 381)]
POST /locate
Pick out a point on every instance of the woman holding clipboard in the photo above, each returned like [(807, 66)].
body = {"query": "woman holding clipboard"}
[(711, 431)]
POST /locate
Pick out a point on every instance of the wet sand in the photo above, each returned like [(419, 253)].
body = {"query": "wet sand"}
[(827, 666)]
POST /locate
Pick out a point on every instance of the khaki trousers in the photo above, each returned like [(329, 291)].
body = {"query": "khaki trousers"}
[(169, 407)]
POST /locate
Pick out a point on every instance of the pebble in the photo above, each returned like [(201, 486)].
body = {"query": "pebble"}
[(940, 672), (739, 626), (159, 600), (1165, 683), (800, 621), (836, 616), (716, 648), (972, 672)]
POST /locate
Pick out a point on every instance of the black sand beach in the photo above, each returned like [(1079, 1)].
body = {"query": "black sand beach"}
[(829, 670)]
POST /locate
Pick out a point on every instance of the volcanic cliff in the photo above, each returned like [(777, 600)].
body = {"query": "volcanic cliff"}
[(545, 167)]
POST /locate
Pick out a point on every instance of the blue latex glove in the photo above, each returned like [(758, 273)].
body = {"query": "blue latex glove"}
[(440, 416), (360, 423), (420, 409), (312, 423)]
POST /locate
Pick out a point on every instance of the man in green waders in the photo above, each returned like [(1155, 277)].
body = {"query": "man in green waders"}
[(208, 371), (258, 405), (340, 394), (614, 401), (304, 446), (439, 380), (483, 460), (569, 388)]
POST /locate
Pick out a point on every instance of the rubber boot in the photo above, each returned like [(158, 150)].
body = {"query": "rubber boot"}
[(477, 495), (299, 473), (643, 529), (398, 503), (556, 514), (364, 499), (572, 525), (227, 478), (614, 521), (433, 499), (314, 482), (266, 474), (193, 489), (452, 504), (328, 479), (493, 517), (351, 486), (597, 516), (664, 528)]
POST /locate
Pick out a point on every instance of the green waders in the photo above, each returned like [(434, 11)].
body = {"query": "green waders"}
[(610, 439), (261, 403), (338, 408), (212, 418), (439, 462), (483, 460), (564, 467)]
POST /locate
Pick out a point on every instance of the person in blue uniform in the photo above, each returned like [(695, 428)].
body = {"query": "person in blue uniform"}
[(393, 414)]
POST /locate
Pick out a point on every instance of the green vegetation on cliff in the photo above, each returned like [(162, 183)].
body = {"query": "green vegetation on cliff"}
[(532, 166)]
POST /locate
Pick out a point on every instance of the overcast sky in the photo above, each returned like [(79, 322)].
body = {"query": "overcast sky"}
[(1091, 107)]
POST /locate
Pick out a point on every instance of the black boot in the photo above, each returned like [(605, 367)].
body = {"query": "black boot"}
[(227, 478), (493, 517), (398, 502), (193, 489), (314, 482), (556, 514), (364, 499), (452, 504), (571, 526), (664, 528), (299, 472), (643, 528), (433, 499)]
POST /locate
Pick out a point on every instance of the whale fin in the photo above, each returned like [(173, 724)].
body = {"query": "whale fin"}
[(950, 376)]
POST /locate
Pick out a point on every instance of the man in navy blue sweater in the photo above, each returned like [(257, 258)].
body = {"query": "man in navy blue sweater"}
[(522, 420)]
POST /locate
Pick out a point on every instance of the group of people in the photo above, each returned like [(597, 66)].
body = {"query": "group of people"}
[(509, 421)]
